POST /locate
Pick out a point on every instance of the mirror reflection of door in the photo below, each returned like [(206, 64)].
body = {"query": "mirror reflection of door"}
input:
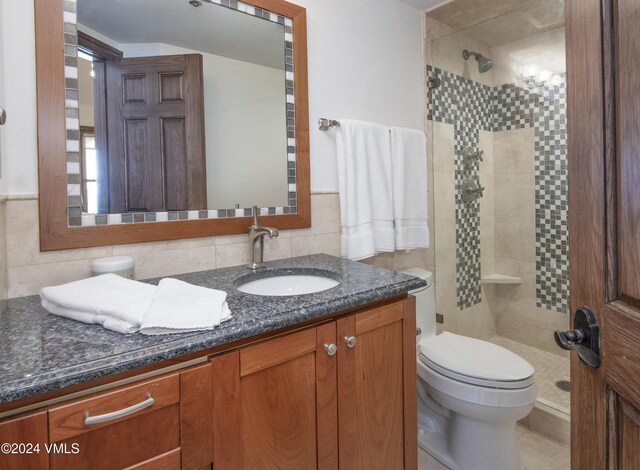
[(148, 120)]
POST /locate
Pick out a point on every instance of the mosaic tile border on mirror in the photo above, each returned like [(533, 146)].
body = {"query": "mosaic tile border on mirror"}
[(74, 179)]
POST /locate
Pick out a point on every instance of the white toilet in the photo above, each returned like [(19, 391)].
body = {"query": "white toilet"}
[(470, 394)]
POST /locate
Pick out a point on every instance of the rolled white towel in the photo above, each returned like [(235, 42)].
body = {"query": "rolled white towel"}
[(179, 307), (108, 295)]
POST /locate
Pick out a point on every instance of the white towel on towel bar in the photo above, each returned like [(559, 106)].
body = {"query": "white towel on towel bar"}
[(100, 299), (364, 182), (178, 307), (409, 163)]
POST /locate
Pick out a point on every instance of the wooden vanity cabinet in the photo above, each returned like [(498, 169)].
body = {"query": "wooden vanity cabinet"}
[(295, 402), (28, 430)]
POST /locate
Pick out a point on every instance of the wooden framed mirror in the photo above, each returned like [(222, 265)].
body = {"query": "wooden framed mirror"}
[(97, 182)]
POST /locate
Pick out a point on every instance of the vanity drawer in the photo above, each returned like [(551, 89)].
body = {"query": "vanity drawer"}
[(168, 461), (111, 407), (133, 426)]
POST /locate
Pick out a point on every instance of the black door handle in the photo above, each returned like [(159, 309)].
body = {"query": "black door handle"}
[(584, 339)]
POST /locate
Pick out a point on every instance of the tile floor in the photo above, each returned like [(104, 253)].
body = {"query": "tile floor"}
[(538, 453), (549, 369)]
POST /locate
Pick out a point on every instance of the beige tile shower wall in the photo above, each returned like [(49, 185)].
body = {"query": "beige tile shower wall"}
[(476, 321), (514, 308), (29, 269), (487, 205), (433, 29)]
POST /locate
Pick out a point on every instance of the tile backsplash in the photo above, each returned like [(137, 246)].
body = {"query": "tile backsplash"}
[(29, 269)]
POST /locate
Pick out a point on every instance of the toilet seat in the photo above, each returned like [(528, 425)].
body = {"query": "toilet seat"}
[(475, 362)]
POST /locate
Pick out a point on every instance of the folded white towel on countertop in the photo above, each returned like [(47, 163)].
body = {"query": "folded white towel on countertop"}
[(110, 323), (108, 295), (364, 182), (127, 306), (409, 164), (179, 307)]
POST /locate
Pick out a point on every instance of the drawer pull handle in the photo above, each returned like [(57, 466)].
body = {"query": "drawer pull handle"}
[(89, 420)]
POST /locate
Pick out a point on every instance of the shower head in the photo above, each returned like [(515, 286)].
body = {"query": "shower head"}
[(484, 63)]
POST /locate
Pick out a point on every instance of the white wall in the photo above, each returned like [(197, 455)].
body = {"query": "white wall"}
[(365, 62), (2, 103), (19, 149)]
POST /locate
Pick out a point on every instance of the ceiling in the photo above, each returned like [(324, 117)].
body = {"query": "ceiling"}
[(209, 28), (532, 18), (425, 5), (460, 14)]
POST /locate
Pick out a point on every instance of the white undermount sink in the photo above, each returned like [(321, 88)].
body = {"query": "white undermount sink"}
[(288, 284)]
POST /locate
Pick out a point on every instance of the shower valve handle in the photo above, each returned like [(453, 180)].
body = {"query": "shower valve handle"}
[(584, 339)]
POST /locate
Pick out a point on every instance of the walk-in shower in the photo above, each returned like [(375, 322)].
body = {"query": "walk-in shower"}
[(499, 179)]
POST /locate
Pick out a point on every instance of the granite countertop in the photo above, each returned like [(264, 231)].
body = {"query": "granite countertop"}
[(40, 352)]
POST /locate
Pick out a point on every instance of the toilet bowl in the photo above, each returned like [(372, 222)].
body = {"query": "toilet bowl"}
[(471, 393)]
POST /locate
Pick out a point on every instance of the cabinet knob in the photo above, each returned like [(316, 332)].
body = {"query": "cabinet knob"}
[(350, 340), (331, 348)]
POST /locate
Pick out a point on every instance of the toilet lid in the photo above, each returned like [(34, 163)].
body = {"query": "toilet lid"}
[(475, 359)]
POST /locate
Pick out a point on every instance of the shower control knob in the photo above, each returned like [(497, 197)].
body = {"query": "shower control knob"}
[(331, 349), (471, 190), (350, 341)]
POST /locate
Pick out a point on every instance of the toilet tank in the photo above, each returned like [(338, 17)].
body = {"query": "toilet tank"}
[(425, 303)]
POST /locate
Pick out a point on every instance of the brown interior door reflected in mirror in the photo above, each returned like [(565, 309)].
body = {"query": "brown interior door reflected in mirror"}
[(148, 116), (156, 149)]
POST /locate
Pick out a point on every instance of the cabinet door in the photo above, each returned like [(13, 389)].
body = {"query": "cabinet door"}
[(275, 404), (377, 388), (196, 411), (27, 433)]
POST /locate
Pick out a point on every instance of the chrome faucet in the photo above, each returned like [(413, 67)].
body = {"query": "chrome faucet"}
[(256, 240)]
